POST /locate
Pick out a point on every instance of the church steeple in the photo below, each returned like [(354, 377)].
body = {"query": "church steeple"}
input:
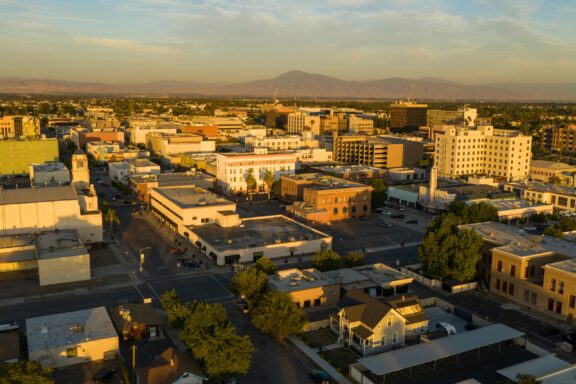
[(80, 171)]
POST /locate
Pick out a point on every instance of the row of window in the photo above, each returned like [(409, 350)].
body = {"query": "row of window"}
[(505, 287), (529, 271)]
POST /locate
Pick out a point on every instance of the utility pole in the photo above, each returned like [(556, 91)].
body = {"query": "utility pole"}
[(134, 378), (141, 260)]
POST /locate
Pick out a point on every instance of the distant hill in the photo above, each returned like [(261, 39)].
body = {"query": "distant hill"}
[(303, 84)]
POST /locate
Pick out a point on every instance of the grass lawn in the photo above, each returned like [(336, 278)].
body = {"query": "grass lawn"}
[(340, 358)]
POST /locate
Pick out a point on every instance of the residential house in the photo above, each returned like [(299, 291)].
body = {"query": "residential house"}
[(171, 367)]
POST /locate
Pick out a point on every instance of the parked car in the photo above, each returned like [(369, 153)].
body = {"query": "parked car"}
[(104, 375), (9, 326), (412, 222), (448, 328), (242, 306), (549, 331), (385, 224), (398, 216), (402, 208), (320, 377), (387, 213), (570, 338), (530, 228), (192, 264)]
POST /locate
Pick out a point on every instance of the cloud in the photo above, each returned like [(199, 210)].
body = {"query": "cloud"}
[(124, 44)]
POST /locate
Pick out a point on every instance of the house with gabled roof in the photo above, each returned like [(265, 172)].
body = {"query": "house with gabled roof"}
[(367, 324), (413, 312), (172, 367)]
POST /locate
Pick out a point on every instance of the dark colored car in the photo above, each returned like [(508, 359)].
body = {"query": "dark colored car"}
[(192, 264), (570, 338), (320, 377), (385, 224), (549, 331), (242, 306), (398, 216), (104, 375), (412, 222)]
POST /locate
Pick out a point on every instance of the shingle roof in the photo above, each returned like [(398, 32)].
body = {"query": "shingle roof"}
[(168, 367), (359, 306)]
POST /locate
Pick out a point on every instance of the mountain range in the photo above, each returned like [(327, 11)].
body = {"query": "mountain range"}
[(302, 84)]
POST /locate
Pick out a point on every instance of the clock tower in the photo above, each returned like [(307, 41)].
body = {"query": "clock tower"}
[(80, 172)]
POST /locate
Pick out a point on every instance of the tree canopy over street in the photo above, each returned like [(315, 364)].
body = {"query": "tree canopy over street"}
[(326, 260), (25, 372), (277, 314)]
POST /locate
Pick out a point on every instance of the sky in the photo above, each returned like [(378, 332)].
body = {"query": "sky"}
[(133, 41)]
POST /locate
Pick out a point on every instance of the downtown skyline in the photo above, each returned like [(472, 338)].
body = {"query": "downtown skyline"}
[(473, 42)]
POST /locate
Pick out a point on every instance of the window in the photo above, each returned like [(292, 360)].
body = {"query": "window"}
[(511, 289), (526, 295), (504, 286), (499, 268), (345, 210), (561, 287), (558, 307), (365, 208), (526, 272), (395, 338), (335, 211), (532, 270), (306, 303), (553, 285), (72, 352), (205, 220), (513, 270), (497, 284), (389, 321), (533, 297), (550, 304), (572, 301), (353, 209), (317, 302)]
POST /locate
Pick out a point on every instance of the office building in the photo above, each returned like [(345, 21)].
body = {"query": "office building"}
[(113, 151), (142, 184), (82, 135), (226, 125), (17, 155), (139, 134), (321, 198), (463, 151), (303, 121), (70, 338), (559, 138), (165, 144), (375, 151), (563, 198), (361, 124), (233, 168), (407, 116), (546, 171), (463, 116), (183, 206), (277, 143), (15, 127)]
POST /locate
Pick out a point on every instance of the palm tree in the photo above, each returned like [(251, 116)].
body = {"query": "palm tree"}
[(269, 180), (111, 218), (251, 183)]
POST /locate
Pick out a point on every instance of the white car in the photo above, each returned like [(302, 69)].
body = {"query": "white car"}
[(9, 326), (448, 328)]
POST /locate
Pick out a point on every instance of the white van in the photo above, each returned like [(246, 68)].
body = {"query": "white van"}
[(448, 328)]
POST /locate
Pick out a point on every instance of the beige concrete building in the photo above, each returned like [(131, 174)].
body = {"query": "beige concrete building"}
[(388, 152), (232, 168), (268, 236), (309, 288), (139, 133), (463, 151), (561, 197), (277, 143), (542, 170), (142, 184), (559, 138), (183, 206), (303, 121), (49, 174), (27, 210), (12, 127), (165, 144), (462, 116), (361, 124), (321, 198), (64, 339), (538, 272)]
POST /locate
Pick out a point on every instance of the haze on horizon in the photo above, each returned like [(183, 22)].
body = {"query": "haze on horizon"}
[(472, 41)]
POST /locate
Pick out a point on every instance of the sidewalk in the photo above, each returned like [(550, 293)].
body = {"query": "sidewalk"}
[(323, 364)]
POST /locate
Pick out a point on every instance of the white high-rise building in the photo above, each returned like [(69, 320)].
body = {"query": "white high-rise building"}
[(483, 150)]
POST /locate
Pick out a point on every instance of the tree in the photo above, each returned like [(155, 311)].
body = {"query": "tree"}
[(251, 183), (523, 378), (24, 372), (265, 265), (176, 311), (269, 181), (249, 283), (475, 213), (378, 193), (277, 314), (554, 180), (276, 188), (111, 218), (326, 260), (466, 255), (354, 259)]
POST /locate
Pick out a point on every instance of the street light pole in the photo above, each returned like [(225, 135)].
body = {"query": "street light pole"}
[(141, 254)]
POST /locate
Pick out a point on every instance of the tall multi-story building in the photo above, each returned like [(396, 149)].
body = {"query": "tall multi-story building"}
[(19, 126), (232, 168), (462, 151), (542, 170), (561, 138), (389, 152), (164, 144), (361, 124), (407, 116), (302, 121), (463, 116)]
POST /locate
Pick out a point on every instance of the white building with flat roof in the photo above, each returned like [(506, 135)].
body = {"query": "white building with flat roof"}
[(183, 206), (232, 168), (70, 338), (49, 174), (27, 210)]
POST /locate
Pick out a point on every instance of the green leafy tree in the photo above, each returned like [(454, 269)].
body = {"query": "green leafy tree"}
[(434, 262), (465, 255), (554, 180), (176, 311), (112, 218), (475, 213), (277, 314), (326, 260), (251, 183), (354, 259), (24, 372), (276, 188), (269, 181), (249, 283), (265, 265), (379, 192), (523, 378)]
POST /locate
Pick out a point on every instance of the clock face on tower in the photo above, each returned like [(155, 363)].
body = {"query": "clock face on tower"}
[(80, 163)]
